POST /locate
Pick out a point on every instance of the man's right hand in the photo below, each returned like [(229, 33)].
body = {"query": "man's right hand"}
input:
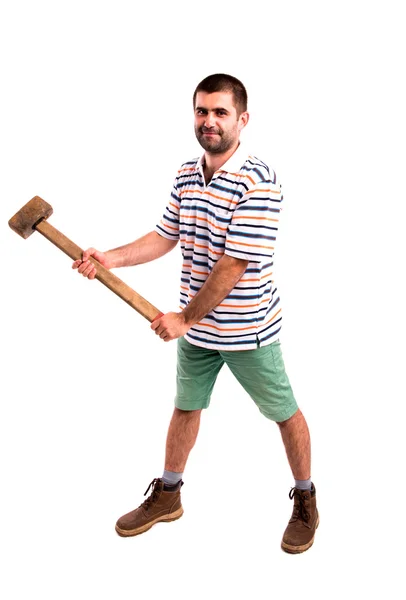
[(87, 268)]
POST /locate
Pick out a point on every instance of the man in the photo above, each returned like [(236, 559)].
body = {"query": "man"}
[(224, 210)]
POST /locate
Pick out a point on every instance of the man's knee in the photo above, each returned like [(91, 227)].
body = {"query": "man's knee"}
[(291, 419), (191, 413)]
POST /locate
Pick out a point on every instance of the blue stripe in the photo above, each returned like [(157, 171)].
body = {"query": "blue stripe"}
[(227, 190), (248, 253), (237, 343), (271, 325), (190, 174), (258, 296), (195, 253), (257, 287), (186, 231), (270, 335), (270, 309), (170, 220), (206, 211), (261, 199), (258, 163), (231, 321), (175, 237), (243, 297), (197, 280), (260, 208), (199, 236), (241, 183), (256, 226), (255, 236), (193, 182), (258, 172), (173, 213)]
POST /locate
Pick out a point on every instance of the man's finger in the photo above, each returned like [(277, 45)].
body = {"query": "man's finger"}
[(155, 324)]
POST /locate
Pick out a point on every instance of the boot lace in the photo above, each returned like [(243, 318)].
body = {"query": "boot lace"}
[(300, 508), (154, 495)]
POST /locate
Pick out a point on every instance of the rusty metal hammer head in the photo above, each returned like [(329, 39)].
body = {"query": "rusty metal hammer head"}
[(25, 220)]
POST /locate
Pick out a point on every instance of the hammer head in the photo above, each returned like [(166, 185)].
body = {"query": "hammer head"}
[(25, 220)]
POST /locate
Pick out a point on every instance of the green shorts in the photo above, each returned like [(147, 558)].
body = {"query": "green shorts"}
[(261, 372)]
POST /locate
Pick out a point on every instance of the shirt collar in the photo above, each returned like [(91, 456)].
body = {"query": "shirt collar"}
[(232, 165)]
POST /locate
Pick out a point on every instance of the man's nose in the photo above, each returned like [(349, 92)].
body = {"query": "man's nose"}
[(209, 120)]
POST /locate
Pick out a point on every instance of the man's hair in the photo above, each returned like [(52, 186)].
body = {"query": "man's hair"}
[(220, 82)]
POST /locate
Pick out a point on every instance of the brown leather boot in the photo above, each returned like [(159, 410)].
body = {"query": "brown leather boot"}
[(301, 529), (161, 505)]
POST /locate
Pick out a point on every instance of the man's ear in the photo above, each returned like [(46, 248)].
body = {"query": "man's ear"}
[(243, 120)]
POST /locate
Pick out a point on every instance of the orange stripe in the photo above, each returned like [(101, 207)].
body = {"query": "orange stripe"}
[(263, 191), (238, 305), (258, 279), (221, 198), (183, 192), (199, 272), (187, 169), (169, 227), (227, 329), (247, 176), (238, 328), (254, 245), (257, 218), (206, 248), (207, 221)]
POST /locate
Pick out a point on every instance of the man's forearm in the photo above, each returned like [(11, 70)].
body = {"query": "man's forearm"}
[(147, 248), (223, 278)]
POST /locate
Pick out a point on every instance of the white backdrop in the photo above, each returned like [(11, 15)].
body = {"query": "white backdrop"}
[(96, 117)]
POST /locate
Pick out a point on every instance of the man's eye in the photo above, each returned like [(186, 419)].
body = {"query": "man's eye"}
[(202, 112), (221, 113)]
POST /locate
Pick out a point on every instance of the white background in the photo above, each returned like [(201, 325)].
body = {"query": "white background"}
[(96, 117)]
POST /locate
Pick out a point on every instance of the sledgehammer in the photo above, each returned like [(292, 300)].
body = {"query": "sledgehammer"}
[(33, 217)]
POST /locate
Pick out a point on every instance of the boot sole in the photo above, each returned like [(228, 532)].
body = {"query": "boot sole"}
[(299, 549), (164, 519)]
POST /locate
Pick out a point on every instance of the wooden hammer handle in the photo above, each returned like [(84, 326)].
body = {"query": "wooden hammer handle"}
[(145, 308)]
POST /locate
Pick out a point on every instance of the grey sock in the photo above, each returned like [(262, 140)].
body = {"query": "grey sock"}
[(171, 478), (303, 484)]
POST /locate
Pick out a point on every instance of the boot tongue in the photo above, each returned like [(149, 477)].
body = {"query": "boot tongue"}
[(301, 500), (157, 486)]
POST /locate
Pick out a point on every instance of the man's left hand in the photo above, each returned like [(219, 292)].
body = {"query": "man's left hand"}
[(170, 326)]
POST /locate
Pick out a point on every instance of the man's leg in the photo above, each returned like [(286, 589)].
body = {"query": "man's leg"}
[(181, 438), (262, 374), (299, 534), (296, 438), (197, 370)]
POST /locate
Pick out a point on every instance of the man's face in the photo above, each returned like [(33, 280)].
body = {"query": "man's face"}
[(217, 125)]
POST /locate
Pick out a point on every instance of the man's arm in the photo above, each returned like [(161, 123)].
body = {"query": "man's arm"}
[(147, 248), (223, 278)]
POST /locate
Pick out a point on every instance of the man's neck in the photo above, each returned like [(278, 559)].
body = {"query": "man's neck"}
[(213, 162)]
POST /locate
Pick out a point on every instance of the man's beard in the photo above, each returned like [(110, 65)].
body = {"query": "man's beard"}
[(216, 145)]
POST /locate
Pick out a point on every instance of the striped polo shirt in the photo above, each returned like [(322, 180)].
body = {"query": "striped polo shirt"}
[(235, 214)]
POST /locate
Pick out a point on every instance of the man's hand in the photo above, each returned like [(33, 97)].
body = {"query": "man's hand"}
[(170, 326), (87, 268)]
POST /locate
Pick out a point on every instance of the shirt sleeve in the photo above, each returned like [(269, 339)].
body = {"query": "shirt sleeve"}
[(251, 234), (168, 226)]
